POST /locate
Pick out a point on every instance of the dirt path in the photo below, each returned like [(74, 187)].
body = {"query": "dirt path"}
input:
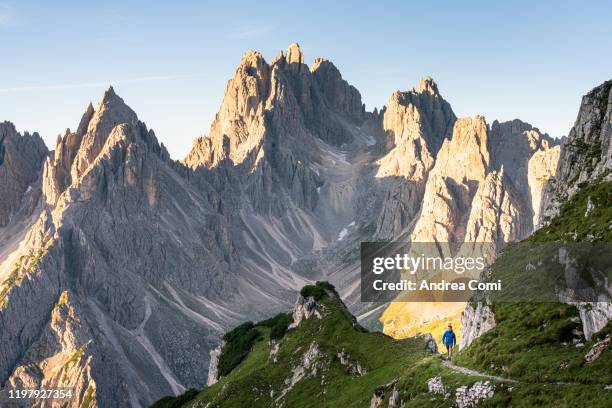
[(475, 373)]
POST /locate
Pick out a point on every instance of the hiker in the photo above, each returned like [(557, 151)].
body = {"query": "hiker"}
[(449, 340)]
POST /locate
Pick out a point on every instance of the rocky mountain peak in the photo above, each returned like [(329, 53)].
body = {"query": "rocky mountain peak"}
[(110, 112), (294, 54), (75, 152), (239, 125), (109, 93), (338, 93), (416, 123), (428, 85), (435, 117), (251, 60), (85, 119)]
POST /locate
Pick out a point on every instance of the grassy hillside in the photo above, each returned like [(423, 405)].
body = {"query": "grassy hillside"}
[(542, 342), (260, 380), (334, 362)]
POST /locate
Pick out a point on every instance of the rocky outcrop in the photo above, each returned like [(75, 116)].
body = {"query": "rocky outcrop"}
[(586, 153), (378, 398), (475, 321), (594, 316), (304, 309), (430, 342), (352, 367), (470, 396), (598, 348), (213, 367), (21, 159), (436, 386), (306, 366)]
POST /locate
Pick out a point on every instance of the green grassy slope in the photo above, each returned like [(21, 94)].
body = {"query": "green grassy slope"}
[(260, 380), (534, 342), (524, 346)]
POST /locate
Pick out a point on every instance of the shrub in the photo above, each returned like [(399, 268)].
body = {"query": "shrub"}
[(318, 290), (176, 402), (238, 343), (278, 325)]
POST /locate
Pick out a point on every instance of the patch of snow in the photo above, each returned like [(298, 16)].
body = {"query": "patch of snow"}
[(370, 141), (342, 234)]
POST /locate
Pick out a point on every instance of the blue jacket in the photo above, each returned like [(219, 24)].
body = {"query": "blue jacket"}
[(449, 338)]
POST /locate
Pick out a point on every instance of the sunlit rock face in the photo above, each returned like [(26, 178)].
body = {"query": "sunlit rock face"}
[(485, 186), (416, 123)]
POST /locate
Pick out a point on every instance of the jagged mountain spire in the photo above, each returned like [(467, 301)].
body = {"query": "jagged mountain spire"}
[(294, 54), (428, 85), (110, 112)]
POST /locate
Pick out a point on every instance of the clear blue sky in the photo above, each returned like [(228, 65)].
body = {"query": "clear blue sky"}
[(170, 61)]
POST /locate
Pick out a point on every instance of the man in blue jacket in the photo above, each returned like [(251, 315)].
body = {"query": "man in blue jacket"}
[(449, 340)]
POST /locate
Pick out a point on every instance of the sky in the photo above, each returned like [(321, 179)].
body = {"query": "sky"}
[(170, 61)]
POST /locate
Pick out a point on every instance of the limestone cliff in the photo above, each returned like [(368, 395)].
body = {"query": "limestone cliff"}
[(586, 153), (416, 123), (21, 159), (484, 187)]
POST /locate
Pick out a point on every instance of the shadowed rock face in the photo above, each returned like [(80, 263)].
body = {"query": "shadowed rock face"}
[(134, 264), (21, 159), (586, 152)]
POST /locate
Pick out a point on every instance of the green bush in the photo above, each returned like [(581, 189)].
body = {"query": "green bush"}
[(278, 325), (176, 402), (318, 290), (238, 343)]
